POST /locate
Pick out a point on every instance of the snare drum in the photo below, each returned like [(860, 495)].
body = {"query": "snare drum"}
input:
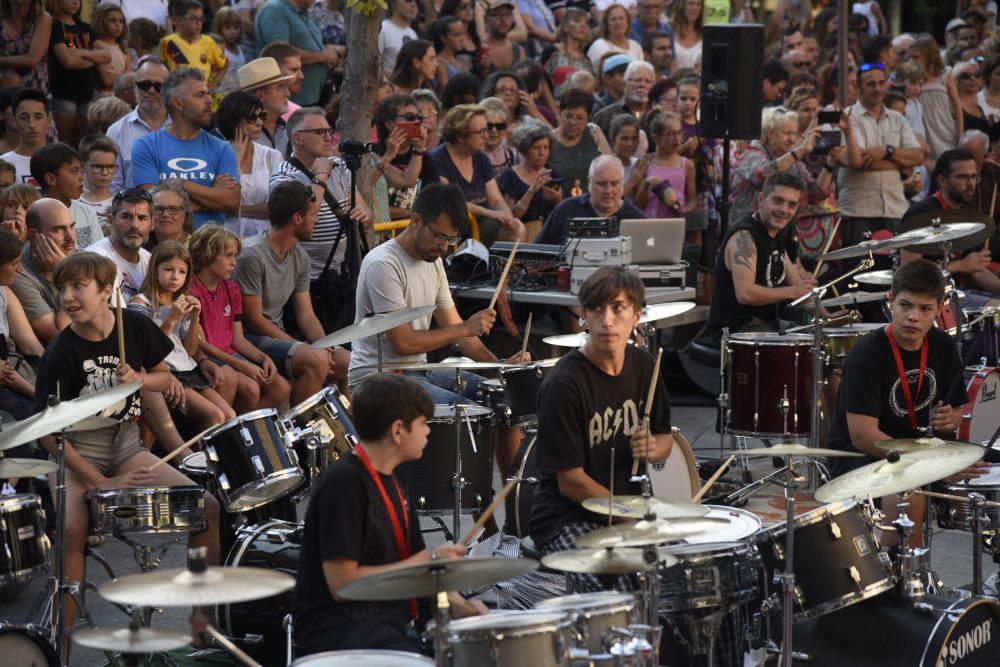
[(594, 614), (718, 575), (429, 478), (678, 479), (957, 515), (149, 510), (521, 389), (26, 547), (981, 414), (983, 333), (769, 379), (366, 658), (839, 341), (742, 525), (325, 413), (251, 461), (491, 396), (837, 559), (515, 639)]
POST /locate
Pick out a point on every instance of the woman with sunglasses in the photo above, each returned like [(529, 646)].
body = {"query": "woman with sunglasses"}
[(968, 82), (502, 156), (240, 119)]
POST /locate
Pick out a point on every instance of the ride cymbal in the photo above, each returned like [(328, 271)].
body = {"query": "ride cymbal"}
[(636, 507), (625, 560), (125, 640), (423, 579), (180, 587), (797, 451), (644, 533), (25, 467), (374, 325)]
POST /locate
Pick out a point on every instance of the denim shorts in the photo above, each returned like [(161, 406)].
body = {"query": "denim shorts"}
[(440, 385), (281, 351)]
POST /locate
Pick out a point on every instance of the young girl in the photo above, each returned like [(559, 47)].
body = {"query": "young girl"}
[(213, 255), (73, 61), (624, 140), (228, 26), (699, 152), (669, 191), (164, 298), (112, 36)]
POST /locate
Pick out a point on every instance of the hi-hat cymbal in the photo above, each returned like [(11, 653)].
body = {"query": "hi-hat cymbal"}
[(179, 587), (374, 325), (913, 469), (448, 411), (880, 278), (422, 580), (64, 415), (450, 364), (948, 225), (643, 533), (797, 451), (25, 467), (625, 560), (661, 311), (636, 507), (124, 640), (567, 340), (853, 298)]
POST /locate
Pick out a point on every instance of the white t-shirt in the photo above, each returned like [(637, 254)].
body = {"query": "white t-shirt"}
[(154, 10), (992, 112), (602, 46), (23, 166), (100, 207), (391, 40), (254, 190), (88, 228), (130, 276)]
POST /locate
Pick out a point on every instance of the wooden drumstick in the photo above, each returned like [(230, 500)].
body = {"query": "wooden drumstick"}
[(503, 276), (504, 492), (826, 248), (121, 328), (713, 479), (179, 449), (649, 404), (527, 332), (993, 208)]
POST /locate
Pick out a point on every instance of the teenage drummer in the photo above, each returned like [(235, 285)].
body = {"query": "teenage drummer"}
[(83, 359), (899, 380), (591, 404), (360, 522), (406, 272)]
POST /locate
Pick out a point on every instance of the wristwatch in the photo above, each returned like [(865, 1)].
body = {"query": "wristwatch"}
[(890, 150)]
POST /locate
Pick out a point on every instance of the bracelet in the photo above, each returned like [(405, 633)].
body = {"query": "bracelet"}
[(416, 152), (829, 168), (794, 156)]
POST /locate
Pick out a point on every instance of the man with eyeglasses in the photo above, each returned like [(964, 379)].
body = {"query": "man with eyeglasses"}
[(150, 115), (639, 78), (397, 29), (956, 176), (501, 53), (262, 77)]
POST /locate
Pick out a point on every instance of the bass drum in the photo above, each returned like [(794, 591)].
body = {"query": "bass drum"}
[(892, 629), (981, 416), (24, 645), (518, 503), (274, 545)]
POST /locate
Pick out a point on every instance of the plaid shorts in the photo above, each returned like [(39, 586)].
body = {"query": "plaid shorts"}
[(565, 540)]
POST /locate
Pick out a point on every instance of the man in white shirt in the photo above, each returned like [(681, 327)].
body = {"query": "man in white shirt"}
[(30, 108), (150, 115), (59, 172), (396, 31), (131, 222)]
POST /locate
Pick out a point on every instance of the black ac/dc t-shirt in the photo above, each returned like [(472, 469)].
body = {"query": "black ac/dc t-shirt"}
[(871, 386), (73, 366), (347, 518), (583, 413)]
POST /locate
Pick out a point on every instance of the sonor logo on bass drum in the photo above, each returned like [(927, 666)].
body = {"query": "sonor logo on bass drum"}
[(967, 643)]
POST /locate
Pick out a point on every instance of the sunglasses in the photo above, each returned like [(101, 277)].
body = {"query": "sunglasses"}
[(496, 127), (867, 67), (144, 86), (254, 117), (802, 64), (409, 117), (965, 76), (132, 196)]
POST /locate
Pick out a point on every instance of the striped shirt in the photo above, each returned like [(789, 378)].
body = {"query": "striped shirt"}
[(327, 227)]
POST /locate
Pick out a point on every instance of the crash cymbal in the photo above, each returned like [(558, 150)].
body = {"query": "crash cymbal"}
[(25, 467), (374, 325), (909, 445), (797, 451), (661, 311), (125, 640), (643, 533), (962, 235), (853, 298), (912, 470), (567, 340), (63, 415), (863, 248), (933, 220), (880, 278), (450, 364), (624, 560), (636, 507), (179, 587), (421, 580)]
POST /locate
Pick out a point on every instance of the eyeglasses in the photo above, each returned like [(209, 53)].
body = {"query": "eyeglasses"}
[(496, 127), (965, 76), (867, 67), (172, 211), (144, 86), (481, 132), (326, 132), (442, 239), (103, 168), (410, 117), (193, 19), (672, 133), (802, 64), (254, 117), (132, 196)]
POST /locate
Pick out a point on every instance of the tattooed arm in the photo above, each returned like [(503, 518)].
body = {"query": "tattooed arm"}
[(741, 260)]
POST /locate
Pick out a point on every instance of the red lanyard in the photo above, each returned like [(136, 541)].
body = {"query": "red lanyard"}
[(902, 374), (944, 204), (402, 543)]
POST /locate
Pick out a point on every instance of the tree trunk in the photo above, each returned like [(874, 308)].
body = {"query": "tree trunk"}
[(362, 78)]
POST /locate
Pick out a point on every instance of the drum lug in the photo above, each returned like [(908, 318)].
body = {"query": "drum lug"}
[(223, 481), (835, 530), (778, 550), (854, 575), (258, 465), (247, 437), (211, 454)]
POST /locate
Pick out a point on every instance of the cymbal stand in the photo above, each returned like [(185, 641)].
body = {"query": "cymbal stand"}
[(60, 588), (977, 505), (787, 577), (441, 616), (197, 564)]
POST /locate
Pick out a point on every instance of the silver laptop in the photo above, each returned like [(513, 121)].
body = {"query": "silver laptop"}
[(655, 241)]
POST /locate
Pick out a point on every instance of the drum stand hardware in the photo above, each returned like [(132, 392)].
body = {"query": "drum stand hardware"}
[(288, 625), (636, 645), (314, 440), (977, 505)]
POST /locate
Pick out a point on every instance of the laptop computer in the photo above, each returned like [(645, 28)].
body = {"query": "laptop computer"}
[(655, 241)]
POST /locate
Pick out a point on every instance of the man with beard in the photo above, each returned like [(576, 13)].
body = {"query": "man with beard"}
[(184, 150), (131, 221), (500, 52), (753, 274), (956, 176), (639, 78), (149, 116)]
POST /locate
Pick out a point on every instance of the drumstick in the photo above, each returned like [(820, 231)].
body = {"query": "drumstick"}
[(504, 492), (826, 248), (179, 449), (121, 328), (503, 276), (527, 332), (649, 404), (993, 208), (713, 479)]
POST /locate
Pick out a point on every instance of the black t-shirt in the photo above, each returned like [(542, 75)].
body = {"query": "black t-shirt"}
[(871, 385), (404, 197), (74, 366), (582, 414), (347, 518), (76, 85)]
